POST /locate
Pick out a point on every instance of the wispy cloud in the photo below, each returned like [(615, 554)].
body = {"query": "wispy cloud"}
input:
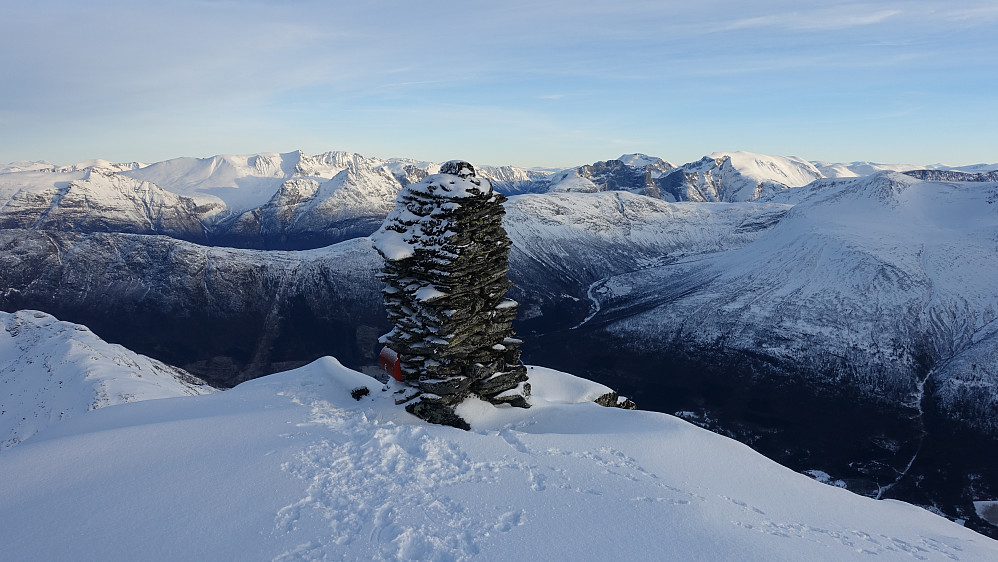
[(86, 73), (839, 17), (984, 14)]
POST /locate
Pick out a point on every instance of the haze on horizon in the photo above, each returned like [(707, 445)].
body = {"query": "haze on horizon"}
[(557, 83)]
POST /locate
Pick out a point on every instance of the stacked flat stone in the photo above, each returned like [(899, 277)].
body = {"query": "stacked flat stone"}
[(446, 256)]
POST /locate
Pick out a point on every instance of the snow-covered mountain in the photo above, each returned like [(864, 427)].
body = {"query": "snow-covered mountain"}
[(736, 176), (52, 371), (224, 314), (106, 201), (296, 201), (267, 200), (220, 312), (636, 173), (856, 169), (563, 242), (886, 271), (511, 180), (306, 213), (293, 467), (46, 166), (621, 251), (952, 175), (719, 177), (868, 295)]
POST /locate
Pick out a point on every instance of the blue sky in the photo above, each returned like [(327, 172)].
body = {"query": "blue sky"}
[(540, 83)]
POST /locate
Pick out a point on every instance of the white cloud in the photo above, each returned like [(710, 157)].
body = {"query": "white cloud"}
[(838, 17)]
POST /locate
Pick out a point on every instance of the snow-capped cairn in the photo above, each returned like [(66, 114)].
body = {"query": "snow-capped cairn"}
[(446, 256)]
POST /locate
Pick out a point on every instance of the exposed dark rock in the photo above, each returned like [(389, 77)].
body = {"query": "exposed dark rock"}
[(614, 400), (614, 175), (436, 411), (446, 256), (952, 175)]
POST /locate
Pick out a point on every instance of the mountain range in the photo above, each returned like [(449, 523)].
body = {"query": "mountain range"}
[(838, 317)]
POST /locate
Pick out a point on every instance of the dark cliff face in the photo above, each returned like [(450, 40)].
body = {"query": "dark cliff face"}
[(614, 175), (225, 315), (950, 175)]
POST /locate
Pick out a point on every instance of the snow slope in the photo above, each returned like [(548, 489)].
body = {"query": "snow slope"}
[(856, 169), (222, 313), (290, 467), (736, 176), (562, 242), (885, 272), (309, 213), (105, 201), (52, 371)]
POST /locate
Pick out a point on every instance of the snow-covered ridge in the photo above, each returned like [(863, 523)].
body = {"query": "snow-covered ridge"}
[(856, 169), (104, 200), (362, 479), (643, 160), (53, 371), (920, 254), (737, 176), (718, 177), (260, 200), (45, 166)]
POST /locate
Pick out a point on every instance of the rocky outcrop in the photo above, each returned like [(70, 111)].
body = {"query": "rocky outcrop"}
[(614, 175), (952, 175), (614, 400)]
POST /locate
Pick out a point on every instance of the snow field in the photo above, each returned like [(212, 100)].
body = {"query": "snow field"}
[(51, 371), (290, 467)]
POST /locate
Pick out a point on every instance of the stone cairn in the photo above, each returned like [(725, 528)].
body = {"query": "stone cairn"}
[(446, 256)]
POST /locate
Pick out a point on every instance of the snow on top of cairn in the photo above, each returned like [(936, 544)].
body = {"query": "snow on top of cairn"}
[(456, 180)]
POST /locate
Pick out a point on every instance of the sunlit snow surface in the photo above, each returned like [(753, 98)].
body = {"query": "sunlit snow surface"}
[(290, 467), (51, 371)]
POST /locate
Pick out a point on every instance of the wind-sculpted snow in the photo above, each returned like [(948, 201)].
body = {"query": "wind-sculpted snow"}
[(291, 467), (867, 281), (52, 371)]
